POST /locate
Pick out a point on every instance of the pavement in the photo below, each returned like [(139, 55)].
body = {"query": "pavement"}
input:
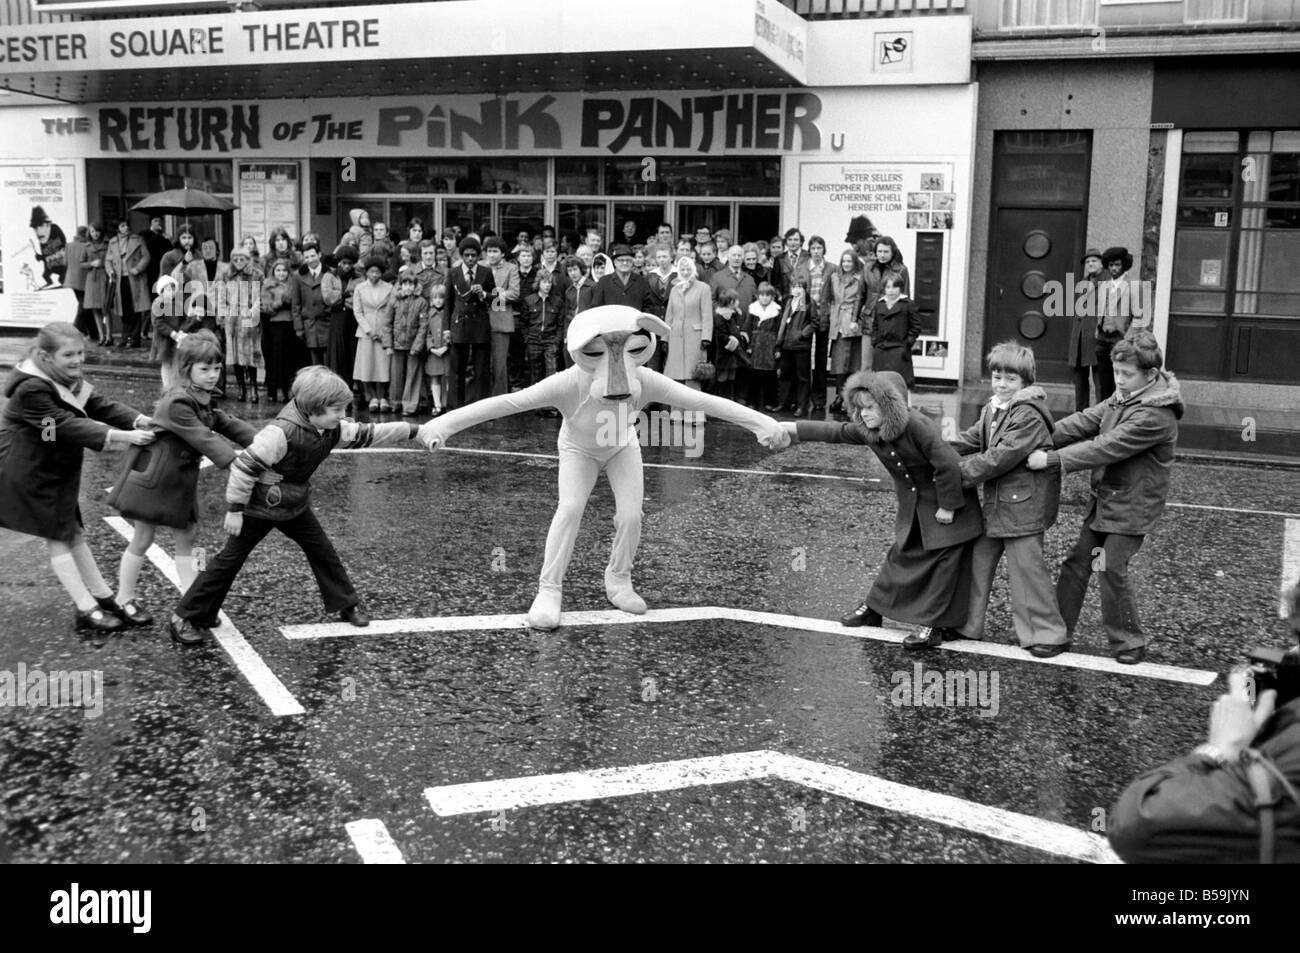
[(735, 723)]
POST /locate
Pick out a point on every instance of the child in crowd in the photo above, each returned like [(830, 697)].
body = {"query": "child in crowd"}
[(159, 486), (1128, 442), (410, 320), (270, 488), (730, 343), (437, 340), (51, 415), (277, 328), (1019, 504), (893, 326), (372, 302), (794, 348), (926, 576), (764, 319), (542, 314), (577, 299)]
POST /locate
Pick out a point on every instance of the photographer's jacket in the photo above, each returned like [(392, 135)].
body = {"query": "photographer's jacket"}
[(1193, 811)]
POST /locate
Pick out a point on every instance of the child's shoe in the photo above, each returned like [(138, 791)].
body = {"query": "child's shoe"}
[(132, 613), (862, 615), (355, 615), (185, 632), (98, 620), (384, 406), (374, 406)]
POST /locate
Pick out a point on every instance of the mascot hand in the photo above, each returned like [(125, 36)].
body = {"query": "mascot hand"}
[(430, 436), (775, 437)]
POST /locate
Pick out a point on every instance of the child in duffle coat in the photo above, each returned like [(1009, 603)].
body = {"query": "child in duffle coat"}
[(51, 415), (894, 326), (1019, 504), (764, 319), (410, 317), (270, 488), (542, 313), (1128, 442), (159, 486), (926, 575), (730, 344), (794, 351), (437, 340)]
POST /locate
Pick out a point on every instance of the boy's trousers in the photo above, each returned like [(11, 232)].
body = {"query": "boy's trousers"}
[(1111, 553), (405, 377), (206, 596), (1034, 612)]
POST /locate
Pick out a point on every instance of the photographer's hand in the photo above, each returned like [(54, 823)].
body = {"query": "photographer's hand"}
[(1233, 722)]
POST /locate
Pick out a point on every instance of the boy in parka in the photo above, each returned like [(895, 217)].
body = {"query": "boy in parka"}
[(1019, 505), (1128, 442)]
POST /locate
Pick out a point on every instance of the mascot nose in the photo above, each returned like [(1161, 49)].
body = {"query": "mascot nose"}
[(616, 381)]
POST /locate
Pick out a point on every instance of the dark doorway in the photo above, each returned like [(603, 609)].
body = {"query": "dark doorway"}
[(1033, 248)]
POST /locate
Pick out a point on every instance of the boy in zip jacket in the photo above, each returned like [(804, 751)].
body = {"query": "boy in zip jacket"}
[(1127, 440), (1019, 504), (270, 488), (542, 313)]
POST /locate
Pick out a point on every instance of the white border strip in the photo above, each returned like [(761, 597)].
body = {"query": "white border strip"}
[(775, 473), (373, 842), (485, 623), (269, 688), (514, 793)]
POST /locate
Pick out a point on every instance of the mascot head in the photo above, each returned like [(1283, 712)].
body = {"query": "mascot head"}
[(609, 343)]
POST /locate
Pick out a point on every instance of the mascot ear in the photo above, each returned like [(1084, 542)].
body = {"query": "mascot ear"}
[(648, 322)]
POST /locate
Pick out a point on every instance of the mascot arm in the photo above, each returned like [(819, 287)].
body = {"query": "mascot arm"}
[(657, 388), (546, 393)]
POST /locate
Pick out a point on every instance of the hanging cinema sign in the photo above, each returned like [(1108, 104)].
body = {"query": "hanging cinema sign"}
[(701, 123)]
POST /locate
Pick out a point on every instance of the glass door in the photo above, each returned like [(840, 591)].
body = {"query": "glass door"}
[(469, 214), (696, 215), (572, 219), (400, 214), (636, 223), (515, 217)]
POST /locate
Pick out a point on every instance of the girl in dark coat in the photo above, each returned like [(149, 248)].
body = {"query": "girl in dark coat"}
[(160, 486), (926, 576), (51, 416), (894, 327), (794, 350)]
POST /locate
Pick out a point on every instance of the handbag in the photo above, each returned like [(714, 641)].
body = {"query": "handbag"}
[(704, 372), (503, 321)]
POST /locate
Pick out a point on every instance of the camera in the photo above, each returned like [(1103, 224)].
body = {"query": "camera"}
[(1275, 668)]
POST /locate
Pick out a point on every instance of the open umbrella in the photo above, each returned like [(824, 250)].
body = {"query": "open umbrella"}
[(183, 202)]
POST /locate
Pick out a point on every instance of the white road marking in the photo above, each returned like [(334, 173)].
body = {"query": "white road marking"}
[(373, 842), (1290, 559), (482, 623), (514, 793), (1232, 509), (269, 688)]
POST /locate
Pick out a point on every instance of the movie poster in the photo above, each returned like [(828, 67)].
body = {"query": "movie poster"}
[(38, 218)]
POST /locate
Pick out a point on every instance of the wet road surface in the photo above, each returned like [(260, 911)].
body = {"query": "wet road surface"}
[(187, 763)]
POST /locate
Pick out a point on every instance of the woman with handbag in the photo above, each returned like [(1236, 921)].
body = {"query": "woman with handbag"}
[(690, 328), (97, 300), (159, 486), (842, 297)]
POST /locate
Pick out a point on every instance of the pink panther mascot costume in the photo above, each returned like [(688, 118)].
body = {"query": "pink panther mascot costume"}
[(609, 344)]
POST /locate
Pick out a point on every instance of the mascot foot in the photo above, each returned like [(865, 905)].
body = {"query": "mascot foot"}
[(545, 611), (619, 591)]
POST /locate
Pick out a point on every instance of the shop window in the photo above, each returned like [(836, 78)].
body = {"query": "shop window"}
[(1042, 168), (1214, 11), (1200, 270), (496, 176), (514, 217), (1209, 177), (1037, 14), (577, 177)]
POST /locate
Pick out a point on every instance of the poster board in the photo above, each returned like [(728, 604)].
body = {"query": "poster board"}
[(42, 200), (269, 196)]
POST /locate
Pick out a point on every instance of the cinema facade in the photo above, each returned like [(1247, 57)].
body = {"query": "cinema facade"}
[(300, 116)]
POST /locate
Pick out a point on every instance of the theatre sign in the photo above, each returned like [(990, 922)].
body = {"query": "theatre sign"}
[(667, 123)]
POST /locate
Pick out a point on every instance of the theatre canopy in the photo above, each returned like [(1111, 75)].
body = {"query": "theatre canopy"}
[(472, 46)]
